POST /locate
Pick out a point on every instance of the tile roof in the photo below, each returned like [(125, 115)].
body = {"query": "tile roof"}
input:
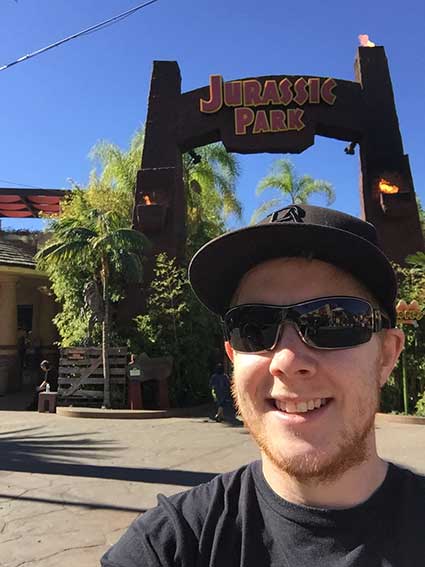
[(11, 255)]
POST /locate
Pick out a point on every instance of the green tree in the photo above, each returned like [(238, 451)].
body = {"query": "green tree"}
[(421, 215), (408, 380), (176, 324), (210, 181), (118, 168), (210, 175), (97, 239), (290, 188)]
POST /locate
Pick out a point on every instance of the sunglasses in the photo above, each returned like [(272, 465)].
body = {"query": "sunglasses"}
[(322, 323)]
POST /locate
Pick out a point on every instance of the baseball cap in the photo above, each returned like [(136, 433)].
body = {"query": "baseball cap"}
[(296, 230)]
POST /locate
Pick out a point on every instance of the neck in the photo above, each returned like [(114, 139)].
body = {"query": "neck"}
[(350, 489)]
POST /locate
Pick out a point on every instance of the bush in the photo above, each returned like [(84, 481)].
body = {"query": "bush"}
[(177, 324), (420, 405), (391, 398)]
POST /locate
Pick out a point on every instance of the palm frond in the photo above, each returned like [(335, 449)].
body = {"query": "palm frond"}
[(63, 252), (132, 267), (417, 259), (308, 186), (123, 239), (265, 208), (137, 143), (272, 181)]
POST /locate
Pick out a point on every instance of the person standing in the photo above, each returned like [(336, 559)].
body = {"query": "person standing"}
[(220, 390)]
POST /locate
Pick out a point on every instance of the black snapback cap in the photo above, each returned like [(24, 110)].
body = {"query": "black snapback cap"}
[(297, 230)]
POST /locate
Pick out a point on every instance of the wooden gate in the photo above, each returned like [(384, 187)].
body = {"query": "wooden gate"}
[(80, 380)]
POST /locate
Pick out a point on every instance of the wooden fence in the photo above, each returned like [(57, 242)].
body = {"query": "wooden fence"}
[(80, 380)]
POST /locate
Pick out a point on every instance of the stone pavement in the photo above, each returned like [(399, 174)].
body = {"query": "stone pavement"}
[(69, 486)]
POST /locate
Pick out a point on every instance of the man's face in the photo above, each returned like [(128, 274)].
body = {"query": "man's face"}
[(324, 442)]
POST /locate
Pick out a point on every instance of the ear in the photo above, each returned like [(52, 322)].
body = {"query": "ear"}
[(229, 350), (392, 344)]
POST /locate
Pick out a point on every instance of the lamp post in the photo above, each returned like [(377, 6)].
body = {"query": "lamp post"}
[(407, 314)]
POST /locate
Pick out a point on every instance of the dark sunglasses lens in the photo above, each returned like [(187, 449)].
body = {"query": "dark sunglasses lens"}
[(335, 322), (252, 328)]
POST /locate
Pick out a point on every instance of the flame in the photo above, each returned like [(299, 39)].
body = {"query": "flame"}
[(147, 200), (364, 41), (386, 187)]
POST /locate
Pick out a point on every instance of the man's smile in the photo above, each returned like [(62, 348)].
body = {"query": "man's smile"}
[(299, 411)]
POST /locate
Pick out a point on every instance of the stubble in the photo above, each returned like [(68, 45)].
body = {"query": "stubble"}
[(351, 449)]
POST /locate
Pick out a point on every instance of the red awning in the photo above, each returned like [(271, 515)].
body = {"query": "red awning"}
[(16, 214), (27, 203)]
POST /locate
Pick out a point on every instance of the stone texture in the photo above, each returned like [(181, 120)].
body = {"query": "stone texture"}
[(70, 487)]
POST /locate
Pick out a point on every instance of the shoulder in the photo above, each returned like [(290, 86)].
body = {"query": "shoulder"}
[(170, 533), (212, 497), (411, 486), (407, 475)]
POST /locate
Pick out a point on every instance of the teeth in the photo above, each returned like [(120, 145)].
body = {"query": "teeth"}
[(300, 407)]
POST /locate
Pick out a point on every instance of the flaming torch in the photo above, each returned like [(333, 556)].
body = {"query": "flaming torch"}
[(364, 41), (147, 200), (392, 192), (387, 187), (151, 214)]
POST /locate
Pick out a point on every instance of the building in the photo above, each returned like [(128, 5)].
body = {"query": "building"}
[(27, 306)]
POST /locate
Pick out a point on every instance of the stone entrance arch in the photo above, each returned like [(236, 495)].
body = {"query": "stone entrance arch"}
[(278, 114)]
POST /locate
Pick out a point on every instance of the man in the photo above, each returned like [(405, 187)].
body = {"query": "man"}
[(307, 298), (220, 389)]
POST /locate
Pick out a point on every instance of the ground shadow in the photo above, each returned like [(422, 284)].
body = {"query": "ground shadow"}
[(30, 450), (73, 503)]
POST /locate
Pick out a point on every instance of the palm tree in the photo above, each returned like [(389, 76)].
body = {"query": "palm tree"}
[(213, 169), (101, 243), (210, 174), (290, 187), (119, 167)]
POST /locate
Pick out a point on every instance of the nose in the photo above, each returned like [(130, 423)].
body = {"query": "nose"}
[(291, 358)]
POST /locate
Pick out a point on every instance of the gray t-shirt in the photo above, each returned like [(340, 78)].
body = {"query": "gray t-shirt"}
[(237, 520)]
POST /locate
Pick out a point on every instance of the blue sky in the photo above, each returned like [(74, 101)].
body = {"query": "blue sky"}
[(57, 105)]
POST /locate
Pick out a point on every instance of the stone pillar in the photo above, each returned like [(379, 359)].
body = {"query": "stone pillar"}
[(9, 379), (382, 157), (160, 199)]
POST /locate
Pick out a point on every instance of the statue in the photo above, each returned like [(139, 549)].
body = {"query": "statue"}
[(93, 303)]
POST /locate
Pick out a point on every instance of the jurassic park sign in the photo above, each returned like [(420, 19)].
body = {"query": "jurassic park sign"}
[(281, 101)]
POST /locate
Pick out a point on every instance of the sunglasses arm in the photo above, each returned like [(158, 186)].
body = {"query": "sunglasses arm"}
[(380, 321), (223, 326)]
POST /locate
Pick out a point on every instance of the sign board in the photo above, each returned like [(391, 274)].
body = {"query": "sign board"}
[(281, 100)]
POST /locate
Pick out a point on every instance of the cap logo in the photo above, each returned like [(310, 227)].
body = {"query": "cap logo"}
[(293, 213)]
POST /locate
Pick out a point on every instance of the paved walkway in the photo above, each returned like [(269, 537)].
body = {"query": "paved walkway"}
[(69, 487)]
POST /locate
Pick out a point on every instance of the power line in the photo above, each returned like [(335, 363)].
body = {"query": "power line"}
[(87, 31), (20, 184)]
